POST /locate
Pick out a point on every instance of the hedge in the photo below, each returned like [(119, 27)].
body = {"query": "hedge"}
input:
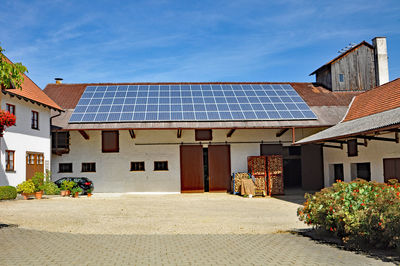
[(358, 212), (7, 192)]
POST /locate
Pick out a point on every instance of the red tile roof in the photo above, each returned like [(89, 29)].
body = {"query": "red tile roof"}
[(377, 100), (32, 92), (68, 95)]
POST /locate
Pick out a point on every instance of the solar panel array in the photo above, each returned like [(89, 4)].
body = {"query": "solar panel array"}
[(190, 102)]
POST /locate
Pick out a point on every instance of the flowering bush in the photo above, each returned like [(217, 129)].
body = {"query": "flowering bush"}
[(6, 120), (359, 212)]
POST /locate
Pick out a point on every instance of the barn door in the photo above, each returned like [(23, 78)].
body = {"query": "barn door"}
[(192, 168), (219, 167), (391, 169), (34, 163)]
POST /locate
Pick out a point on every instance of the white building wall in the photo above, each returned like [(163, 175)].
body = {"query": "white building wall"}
[(113, 169), (374, 154), (22, 138)]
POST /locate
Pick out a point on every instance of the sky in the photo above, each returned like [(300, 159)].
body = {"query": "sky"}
[(154, 41)]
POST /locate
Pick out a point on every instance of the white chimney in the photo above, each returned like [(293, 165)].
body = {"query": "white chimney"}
[(381, 60)]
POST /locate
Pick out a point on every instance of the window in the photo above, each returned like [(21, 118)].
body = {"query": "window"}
[(65, 168), (137, 166), (40, 159), (161, 166), (11, 108), (391, 169), (352, 150), (10, 157), (203, 134), (35, 120), (364, 171), (338, 172), (341, 77), (110, 141), (60, 140), (88, 167)]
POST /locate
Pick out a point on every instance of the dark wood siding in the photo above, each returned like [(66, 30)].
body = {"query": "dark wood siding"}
[(324, 78), (192, 168), (219, 163), (312, 167)]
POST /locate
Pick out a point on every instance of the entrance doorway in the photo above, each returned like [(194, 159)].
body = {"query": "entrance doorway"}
[(205, 169), (292, 173), (34, 163)]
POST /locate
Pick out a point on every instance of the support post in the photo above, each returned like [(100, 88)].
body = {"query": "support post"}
[(230, 133), (84, 134)]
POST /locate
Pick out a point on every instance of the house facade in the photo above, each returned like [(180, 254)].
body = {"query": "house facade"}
[(26, 147)]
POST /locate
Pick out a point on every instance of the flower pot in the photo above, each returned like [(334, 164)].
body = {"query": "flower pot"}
[(39, 194), (89, 194), (76, 194), (27, 195), (63, 193)]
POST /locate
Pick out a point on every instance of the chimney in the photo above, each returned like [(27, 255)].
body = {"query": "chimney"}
[(381, 60), (58, 80)]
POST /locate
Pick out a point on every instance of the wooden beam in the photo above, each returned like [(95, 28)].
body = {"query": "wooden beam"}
[(281, 132), (179, 133), (336, 141), (132, 133), (84, 134), (333, 146), (230, 133), (396, 139)]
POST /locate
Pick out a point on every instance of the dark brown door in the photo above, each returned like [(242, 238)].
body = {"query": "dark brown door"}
[(219, 167), (34, 163), (391, 169), (192, 168)]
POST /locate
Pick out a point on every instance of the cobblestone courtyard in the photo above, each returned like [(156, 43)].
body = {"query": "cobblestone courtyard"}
[(153, 230)]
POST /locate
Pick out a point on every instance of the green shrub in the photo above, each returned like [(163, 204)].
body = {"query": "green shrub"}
[(8, 192), (67, 185), (358, 212), (38, 180), (26, 187), (50, 188), (75, 190)]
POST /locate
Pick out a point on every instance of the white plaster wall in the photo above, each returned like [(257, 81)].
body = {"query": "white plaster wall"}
[(113, 169), (374, 154), (22, 138)]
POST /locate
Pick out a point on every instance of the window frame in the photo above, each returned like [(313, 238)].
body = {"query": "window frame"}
[(90, 167), (116, 149), (341, 77), (10, 106), (33, 120), (8, 152), (138, 170), (156, 163), (59, 168)]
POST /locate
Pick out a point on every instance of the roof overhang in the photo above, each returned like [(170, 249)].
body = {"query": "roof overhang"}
[(20, 97)]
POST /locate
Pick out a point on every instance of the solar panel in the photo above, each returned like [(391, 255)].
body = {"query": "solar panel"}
[(204, 102)]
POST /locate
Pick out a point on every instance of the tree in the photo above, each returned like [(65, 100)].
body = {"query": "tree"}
[(11, 74)]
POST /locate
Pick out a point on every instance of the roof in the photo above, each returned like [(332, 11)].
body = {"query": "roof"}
[(68, 95), (330, 107), (379, 99), (31, 91), (363, 125), (344, 54)]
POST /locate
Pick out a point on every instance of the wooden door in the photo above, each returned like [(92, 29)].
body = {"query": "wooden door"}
[(219, 167), (391, 169), (192, 169), (34, 163)]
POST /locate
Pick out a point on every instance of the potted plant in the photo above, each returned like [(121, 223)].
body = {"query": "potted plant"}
[(75, 191), (26, 189), (66, 187), (89, 192), (37, 180)]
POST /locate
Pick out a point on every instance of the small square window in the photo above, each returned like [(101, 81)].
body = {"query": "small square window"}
[(203, 134), (110, 141), (137, 166), (65, 168), (89, 167), (161, 166), (10, 158), (341, 77)]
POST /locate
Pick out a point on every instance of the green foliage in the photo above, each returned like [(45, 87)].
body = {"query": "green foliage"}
[(358, 212), (67, 185), (11, 74), (38, 180), (50, 188), (89, 190), (26, 187), (75, 190), (7, 193)]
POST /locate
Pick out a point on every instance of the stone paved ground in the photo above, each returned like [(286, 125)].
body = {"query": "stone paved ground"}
[(154, 230)]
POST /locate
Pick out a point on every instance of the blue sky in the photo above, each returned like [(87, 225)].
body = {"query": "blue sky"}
[(132, 41)]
